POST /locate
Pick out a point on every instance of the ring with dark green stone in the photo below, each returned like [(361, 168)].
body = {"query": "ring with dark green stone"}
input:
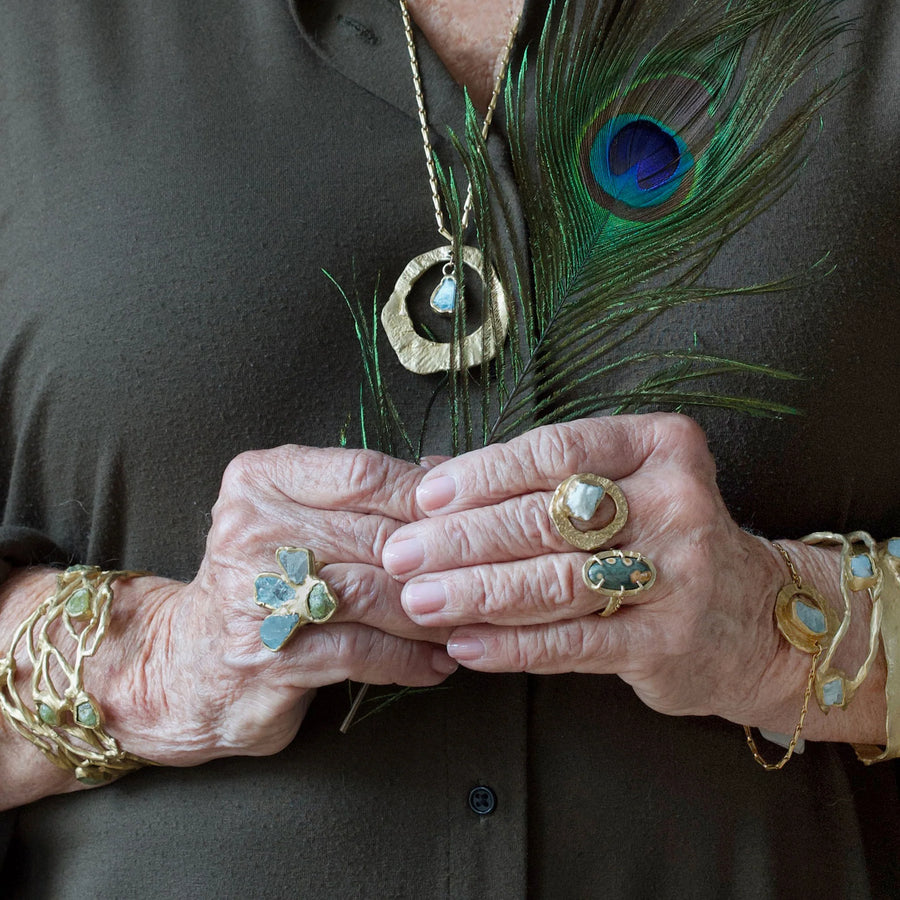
[(616, 574)]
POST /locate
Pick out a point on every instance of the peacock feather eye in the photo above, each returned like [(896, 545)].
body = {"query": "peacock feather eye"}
[(638, 155)]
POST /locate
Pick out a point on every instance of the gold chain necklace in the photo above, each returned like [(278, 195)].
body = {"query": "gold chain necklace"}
[(416, 353)]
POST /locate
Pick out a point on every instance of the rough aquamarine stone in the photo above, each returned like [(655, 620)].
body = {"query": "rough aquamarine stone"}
[(275, 630), (443, 298), (273, 591), (321, 606), (91, 775), (812, 618), (79, 603), (614, 573), (783, 740), (583, 499), (295, 563), (893, 547), (47, 714), (86, 714), (833, 692), (861, 566)]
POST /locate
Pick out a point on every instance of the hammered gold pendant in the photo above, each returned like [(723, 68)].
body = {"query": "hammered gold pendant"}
[(422, 356)]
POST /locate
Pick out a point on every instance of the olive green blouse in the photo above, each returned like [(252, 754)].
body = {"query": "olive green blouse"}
[(174, 178)]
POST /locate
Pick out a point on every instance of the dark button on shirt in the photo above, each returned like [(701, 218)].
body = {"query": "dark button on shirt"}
[(482, 800)]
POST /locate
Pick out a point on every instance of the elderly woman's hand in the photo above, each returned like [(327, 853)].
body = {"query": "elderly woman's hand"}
[(184, 676), (490, 564)]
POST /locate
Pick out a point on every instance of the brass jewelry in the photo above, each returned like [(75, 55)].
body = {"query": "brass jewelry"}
[(615, 573), (415, 352), (801, 629), (795, 737), (802, 614), (422, 356), (66, 724), (296, 597), (578, 498), (888, 561), (612, 573), (834, 688)]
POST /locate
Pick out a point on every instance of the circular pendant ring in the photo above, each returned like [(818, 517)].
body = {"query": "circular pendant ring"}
[(422, 356)]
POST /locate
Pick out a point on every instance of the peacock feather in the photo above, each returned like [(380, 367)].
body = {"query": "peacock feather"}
[(640, 146), (641, 140)]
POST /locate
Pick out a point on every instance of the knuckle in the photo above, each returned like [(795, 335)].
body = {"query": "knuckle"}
[(681, 436), (549, 448), (547, 646), (374, 533), (232, 523), (558, 586), (367, 471), (537, 527), (462, 540), (360, 588), (243, 471), (490, 598), (678, 428)]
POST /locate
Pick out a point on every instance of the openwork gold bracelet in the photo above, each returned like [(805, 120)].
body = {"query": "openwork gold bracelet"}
[(888, 562), (859, 572), (66, 724)]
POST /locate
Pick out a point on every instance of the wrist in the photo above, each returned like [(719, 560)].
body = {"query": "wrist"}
[(863, 721)]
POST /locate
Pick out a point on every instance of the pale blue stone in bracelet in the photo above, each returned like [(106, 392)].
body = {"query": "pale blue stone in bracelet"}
[(861, 566), (812, 618), (833, 692)]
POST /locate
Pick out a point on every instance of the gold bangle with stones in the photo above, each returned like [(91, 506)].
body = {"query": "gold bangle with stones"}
[(806, 621), (887, 559), (66, 724), (859, 572)]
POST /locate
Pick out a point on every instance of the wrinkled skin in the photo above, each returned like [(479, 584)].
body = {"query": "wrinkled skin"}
[(455, 561), (702, 641)]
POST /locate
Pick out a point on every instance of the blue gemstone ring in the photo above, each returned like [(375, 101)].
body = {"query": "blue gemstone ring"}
[(617, 573), (295, 596)]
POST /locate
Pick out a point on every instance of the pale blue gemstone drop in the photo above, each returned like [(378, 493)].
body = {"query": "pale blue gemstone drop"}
[(893, 547), (443, 297), (861, 566)]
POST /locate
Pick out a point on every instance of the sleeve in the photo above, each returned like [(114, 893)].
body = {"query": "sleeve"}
[(23, 546)]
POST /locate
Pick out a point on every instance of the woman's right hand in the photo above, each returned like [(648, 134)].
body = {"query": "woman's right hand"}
[(183, 676)]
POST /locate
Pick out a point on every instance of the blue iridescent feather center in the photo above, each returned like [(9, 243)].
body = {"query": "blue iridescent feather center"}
[(638, 161)]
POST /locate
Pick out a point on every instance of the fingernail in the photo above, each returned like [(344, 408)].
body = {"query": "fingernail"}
[(424, 598), (403, 556), (437, 492), (466, 649), (442, 663)]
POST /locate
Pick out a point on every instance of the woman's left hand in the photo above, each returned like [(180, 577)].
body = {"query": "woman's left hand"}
[(488, 562)]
